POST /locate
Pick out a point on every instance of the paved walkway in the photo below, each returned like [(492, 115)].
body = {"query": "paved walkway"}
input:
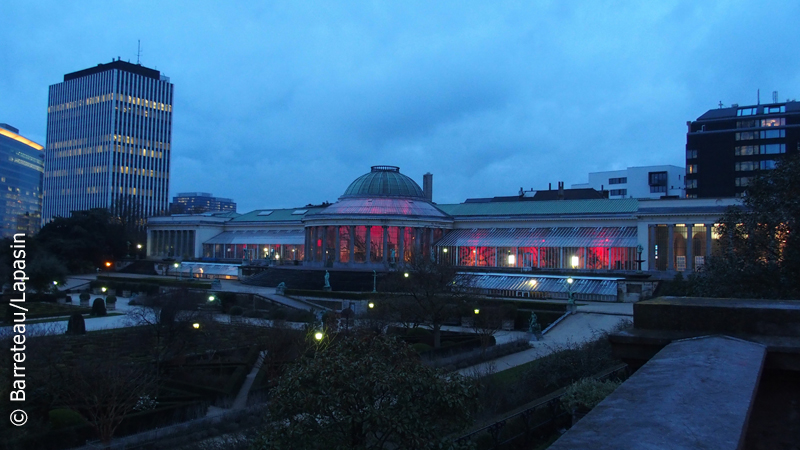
[(577, 328)]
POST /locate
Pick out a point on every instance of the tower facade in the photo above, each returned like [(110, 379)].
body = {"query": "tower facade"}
[(109, 134), (727, 147), (21, 168)]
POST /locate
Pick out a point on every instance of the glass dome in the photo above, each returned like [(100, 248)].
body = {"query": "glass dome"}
[(384, 181)]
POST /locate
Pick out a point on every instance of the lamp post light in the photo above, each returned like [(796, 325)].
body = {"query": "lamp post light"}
[(318, 335), (570, 296), (639, 250), (177, 273), (405, 274), (374, 282), (371, 305), (196, 326), (477, 311)]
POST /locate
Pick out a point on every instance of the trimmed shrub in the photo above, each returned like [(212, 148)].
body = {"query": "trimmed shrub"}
[(76, 324), (99, 308), (236, 311), (421, 332), (111, 299), (419, 347), (85, 296), (587, 393), (64, 417)]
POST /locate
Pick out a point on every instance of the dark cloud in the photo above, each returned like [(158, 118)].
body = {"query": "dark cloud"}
[(283, 104)]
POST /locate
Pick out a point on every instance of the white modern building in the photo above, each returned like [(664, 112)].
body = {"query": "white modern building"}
[(639, 182), (109, 133)]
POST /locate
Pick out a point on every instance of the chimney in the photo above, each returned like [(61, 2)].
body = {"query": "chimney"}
[(549, 186), (561, 190), (427, 186)]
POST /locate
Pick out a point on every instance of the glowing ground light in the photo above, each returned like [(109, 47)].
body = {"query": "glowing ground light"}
[(196, 325), (318, 336), (405, 274), (103, 289), (211, 298), (371, 305), (477, 311)]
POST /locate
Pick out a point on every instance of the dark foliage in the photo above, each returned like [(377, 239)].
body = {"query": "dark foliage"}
[(99, 308), (760, 242), (76, 324)]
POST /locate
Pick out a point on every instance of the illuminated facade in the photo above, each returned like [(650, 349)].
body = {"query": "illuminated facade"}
[(21, 169), (384, 220), (109, 132)]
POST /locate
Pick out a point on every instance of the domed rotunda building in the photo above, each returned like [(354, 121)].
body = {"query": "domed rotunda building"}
[(383, 219)]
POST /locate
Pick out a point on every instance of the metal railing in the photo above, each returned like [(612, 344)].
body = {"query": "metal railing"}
[(528, 423)]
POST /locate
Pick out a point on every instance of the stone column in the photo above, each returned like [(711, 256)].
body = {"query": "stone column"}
[(385, 245), (338, 246), (352, 245), (368, 244), (671, 247), (401, 246), (651, 245), (689, 249)]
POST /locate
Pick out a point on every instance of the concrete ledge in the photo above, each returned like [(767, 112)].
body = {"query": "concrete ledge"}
[(695, 393), (719, 315)]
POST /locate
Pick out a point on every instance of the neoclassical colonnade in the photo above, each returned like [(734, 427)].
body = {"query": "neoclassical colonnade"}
[(680, 247), (351, 245), (172, 243)]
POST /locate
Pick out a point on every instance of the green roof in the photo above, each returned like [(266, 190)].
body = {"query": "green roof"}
[(554, 207), (278, 215), (384, 181)]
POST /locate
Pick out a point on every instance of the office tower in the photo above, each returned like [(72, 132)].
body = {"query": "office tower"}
[(727, 147), (21, 168), (109, 130), (200, 202)]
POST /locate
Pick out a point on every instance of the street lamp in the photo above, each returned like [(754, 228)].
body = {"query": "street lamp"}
[(176, 265), (477, 311), (405, 274), (318, 335), (570, 296), (196, 326), (211, 298), (371, 305), (103, 289)]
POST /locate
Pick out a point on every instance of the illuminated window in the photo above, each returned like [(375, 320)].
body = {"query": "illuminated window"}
[(776, 122), (691, 168)]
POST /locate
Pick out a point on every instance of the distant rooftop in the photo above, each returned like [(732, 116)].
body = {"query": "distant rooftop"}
[(137, 69), (736, 110)]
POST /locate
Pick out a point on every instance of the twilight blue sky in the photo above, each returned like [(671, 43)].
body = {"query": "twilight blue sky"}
[(280, 104)]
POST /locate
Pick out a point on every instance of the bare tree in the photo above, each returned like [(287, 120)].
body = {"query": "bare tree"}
[(105, 391), (427, 292)]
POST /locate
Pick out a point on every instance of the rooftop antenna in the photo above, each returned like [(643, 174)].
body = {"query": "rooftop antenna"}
[(758, 94), (138, 51), (774, 96), (720, 104)]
